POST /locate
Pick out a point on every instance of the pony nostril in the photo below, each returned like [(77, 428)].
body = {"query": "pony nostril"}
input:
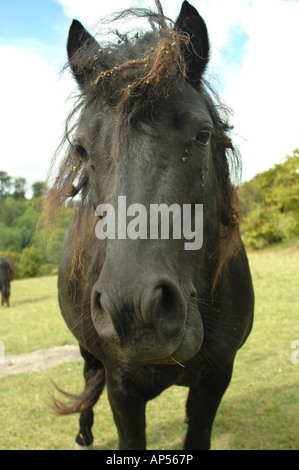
[(96, 301), (166, 302), (163, 306), (98, 298), (104, 317)]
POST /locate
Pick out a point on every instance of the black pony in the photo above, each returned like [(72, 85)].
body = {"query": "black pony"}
[(6, 275), (147, 312)]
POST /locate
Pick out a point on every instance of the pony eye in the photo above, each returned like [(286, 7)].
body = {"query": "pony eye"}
[(80, 151), (204, 137)]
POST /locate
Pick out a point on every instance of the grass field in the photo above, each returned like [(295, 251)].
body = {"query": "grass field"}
[(259, 411)]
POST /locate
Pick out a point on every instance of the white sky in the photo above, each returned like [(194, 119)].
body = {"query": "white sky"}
[(260, 85)]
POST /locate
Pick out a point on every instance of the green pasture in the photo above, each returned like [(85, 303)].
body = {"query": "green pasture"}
[(259, 411)]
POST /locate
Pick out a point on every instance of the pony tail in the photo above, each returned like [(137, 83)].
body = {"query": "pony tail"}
[(94, 385)]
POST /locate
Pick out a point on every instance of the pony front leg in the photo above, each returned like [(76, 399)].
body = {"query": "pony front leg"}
[(129, 415), (202, 405)]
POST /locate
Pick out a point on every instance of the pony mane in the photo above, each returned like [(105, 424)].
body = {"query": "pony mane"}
[(133, 74)]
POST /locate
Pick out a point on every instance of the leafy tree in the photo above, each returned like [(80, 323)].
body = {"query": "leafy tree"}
[(270, 204), (10, 238), (5, 184), (31, 261), (20, 188), (38, 189), (22, 234)]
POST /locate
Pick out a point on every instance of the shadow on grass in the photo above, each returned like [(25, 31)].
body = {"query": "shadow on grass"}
[(17, 303)]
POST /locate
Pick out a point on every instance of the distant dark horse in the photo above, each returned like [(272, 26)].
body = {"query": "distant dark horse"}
[(148, 312), (6, 275)]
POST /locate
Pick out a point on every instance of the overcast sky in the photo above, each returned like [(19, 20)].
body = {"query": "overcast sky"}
[(255, 65)]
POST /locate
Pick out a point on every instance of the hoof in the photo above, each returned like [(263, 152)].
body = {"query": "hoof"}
[(79, 447)]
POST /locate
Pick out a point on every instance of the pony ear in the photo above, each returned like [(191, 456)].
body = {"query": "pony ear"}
[(197, 52), (82, 49)]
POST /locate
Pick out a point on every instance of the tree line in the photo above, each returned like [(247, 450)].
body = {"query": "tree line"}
[(22, 237), (269, 207)]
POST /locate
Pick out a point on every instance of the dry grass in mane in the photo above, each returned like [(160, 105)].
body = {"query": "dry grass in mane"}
[(147, 77), (153, 62)]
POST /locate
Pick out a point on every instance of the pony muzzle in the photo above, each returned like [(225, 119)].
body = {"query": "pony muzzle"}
[(150, 324)]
